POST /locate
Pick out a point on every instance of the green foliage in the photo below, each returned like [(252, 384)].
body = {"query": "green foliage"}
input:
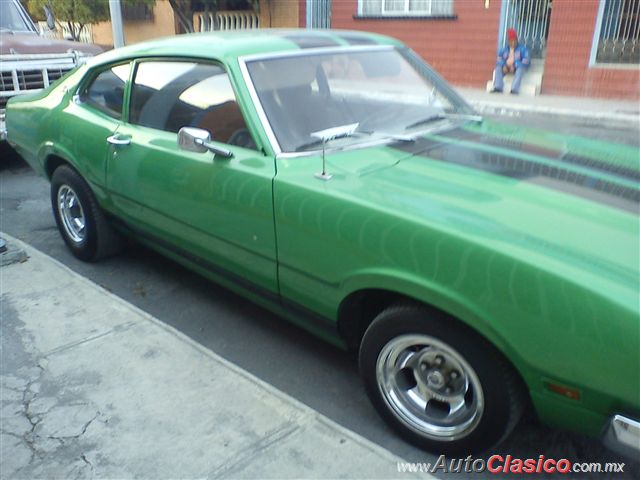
[(76, 13), (184, 10)]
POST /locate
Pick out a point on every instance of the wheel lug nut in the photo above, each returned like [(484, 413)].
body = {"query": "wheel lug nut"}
[(439, 360), (454, 375), (423, 366), (448, 390)]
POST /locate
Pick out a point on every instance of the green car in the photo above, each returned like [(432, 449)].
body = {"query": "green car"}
[(334, 178)]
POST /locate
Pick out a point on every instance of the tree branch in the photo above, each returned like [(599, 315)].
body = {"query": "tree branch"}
[(72, 30), (186, 23)]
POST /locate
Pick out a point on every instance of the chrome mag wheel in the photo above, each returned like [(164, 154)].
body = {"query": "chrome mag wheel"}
[(429, 387), (71, 214)]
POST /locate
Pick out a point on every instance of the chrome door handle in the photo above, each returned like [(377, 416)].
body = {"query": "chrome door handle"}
[(118, 140)]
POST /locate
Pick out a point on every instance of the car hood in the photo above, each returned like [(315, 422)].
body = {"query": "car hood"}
[(570, 201), (29, 43)]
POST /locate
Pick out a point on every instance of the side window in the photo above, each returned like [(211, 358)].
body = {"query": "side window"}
[(171, 95), (106, 91)]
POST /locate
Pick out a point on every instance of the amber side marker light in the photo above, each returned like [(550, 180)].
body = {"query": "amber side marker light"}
[(570, 393)]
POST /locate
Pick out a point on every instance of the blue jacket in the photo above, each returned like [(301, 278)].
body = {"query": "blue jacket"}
[(520, 55)]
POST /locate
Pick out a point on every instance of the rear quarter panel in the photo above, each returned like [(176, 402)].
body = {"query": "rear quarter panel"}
[(35, 127)]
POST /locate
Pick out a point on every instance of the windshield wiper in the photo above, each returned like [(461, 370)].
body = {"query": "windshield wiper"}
[(444, 116), (398, 137), (345, 131), (323, 136)]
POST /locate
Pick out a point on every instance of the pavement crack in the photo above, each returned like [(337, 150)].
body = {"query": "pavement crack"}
[(117, 328), (63, 438), (86, 425), (11, 434), (85, 460), (249, 453), (28, 396), (13, 389)]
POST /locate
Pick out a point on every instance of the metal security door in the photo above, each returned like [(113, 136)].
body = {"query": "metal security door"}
[(318, 13), (530, 18)]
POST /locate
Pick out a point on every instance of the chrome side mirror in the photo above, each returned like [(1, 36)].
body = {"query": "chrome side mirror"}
[(198, 140), (51, 21), (193, 139)]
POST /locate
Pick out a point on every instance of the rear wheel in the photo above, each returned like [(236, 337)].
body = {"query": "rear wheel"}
[(437, 383), (80, 219)]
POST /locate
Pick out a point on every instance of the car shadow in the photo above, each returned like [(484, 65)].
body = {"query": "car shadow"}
[(10, 159)]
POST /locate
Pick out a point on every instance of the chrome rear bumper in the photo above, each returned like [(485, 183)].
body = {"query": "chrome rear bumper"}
[(623, 436)]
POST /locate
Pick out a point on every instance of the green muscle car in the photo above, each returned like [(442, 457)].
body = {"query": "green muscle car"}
[(334, 178)]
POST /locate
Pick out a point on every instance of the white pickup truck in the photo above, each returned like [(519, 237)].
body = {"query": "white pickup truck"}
[(28, 61)]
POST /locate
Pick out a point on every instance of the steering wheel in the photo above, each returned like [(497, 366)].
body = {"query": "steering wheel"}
[(242, 138)]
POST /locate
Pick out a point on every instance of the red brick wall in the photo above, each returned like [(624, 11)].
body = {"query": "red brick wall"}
[(463, 50), (566, 70), (302, 13)]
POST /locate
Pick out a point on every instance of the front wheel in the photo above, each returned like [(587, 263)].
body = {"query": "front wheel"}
[(80, 219), (437, 383)]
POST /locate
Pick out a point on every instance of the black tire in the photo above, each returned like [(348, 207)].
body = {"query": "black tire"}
[(483, 416), (97, 239)]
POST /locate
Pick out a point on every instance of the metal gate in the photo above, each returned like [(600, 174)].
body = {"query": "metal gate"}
[(318, 13), (530, 18), (618, 33)]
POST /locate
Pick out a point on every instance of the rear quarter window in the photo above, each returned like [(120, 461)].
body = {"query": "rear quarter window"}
[(106, 91)]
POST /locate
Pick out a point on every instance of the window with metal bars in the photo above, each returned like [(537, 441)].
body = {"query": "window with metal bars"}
[(405, 8), (618, 32), (137, 11)]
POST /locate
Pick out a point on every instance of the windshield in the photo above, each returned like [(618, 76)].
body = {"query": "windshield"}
[(385, 91), (12, 18)]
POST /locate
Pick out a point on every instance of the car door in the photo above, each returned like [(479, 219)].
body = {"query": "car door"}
[(215, 211), (91, 118)]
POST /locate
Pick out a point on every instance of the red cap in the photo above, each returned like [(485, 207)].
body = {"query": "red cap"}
[(512, 34)]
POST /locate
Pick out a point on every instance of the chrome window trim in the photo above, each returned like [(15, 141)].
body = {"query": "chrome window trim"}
[(262, 116), (266, 125), (86, 81), (26, 18), (302, 52)]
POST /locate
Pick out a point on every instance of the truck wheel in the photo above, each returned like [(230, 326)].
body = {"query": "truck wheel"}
[(437, 383), (81, 222)]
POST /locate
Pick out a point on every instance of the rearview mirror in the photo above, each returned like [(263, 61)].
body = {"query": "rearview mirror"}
[(382, 65), (198, 140)]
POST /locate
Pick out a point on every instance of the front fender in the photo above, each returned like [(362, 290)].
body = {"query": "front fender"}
[(433, 294)]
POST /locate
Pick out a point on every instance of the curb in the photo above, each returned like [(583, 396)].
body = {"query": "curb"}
[(11, 252), (497, 108)]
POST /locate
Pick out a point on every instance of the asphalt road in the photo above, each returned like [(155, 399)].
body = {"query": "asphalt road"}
[(288, 358)]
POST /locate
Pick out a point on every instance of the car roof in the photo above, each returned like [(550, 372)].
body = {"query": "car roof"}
[(232, 44)]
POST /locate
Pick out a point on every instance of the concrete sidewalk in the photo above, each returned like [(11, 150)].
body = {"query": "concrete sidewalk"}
[(93, 387), (619, 112)]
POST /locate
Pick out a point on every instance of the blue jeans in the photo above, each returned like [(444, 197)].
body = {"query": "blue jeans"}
[(498, 79)]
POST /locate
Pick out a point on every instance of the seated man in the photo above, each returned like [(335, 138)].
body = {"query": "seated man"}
[(512, 58)]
